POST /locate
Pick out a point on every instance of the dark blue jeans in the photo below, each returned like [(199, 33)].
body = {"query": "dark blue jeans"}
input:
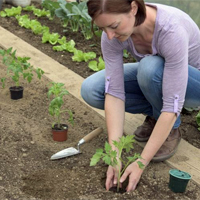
[(143, 88)]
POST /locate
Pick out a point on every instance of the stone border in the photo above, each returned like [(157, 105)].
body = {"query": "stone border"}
[(187, 157)]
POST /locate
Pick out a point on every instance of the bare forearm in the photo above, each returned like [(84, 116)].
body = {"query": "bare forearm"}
[(159, 135), (114, 111)]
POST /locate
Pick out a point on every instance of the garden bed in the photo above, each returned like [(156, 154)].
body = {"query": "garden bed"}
[(26, 141), (189, 126)]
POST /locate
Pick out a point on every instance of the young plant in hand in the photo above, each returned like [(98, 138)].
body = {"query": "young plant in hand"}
[(114, 158)]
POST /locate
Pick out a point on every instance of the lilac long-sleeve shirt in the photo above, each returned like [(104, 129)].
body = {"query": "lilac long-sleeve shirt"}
[(176, 38)]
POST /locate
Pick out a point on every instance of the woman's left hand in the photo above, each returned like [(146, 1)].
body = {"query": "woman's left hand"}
[(134, 172)]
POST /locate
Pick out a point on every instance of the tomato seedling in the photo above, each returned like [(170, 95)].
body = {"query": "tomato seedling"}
[(114, 157), (57, 91)]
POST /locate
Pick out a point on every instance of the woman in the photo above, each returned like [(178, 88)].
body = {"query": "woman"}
[(166, 77)]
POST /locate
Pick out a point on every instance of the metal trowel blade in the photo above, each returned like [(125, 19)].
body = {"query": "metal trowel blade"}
[(65, 153)]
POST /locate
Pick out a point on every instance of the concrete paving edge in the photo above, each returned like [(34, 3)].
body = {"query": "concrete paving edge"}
[(187, 157)]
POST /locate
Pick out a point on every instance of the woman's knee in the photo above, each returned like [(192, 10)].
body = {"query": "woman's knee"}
[(150, 70), (85, 88), (92, 90)]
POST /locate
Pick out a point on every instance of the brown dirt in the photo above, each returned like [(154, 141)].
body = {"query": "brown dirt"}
[(26, 171)]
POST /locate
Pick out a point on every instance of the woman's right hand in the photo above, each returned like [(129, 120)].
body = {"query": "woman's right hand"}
[(111, 178), (112, 175)]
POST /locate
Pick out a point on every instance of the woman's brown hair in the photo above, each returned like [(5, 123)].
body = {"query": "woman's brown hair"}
[(97, 7)]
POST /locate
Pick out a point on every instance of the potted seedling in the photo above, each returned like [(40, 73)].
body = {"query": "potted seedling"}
[(55, 94), (115, 158), (17, 67)]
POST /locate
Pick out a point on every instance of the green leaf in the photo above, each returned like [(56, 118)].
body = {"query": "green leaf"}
[(3, 14), (29, 8), (113, 157), (51, 6), (113, 154), (93, 65), (125, 53), (71, 118), (39, 72), (62, 40), (127, 142), (141, 165), (36, 27), (101, 64), (3, 82), (108, 147), (13, 11), (107, 160), (131, 159), (100, 151), (96, 157), (78, 56), (94, 161), (198, 118), (89, 56)]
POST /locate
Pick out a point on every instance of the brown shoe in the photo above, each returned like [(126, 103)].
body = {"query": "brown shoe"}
[(144, 131), (168, 149)]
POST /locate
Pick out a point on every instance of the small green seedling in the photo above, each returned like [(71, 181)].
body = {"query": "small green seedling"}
[(17, 67), (114, 158), (56, 93)]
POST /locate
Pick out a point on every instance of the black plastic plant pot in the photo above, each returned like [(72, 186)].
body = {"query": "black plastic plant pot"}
[(178, 180), (16, 92)]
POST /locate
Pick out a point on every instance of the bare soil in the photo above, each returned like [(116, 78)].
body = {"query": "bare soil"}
[(26, 171)]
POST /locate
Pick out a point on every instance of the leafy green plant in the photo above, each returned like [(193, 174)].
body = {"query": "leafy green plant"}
[(23, 21), (38, 12), (198, 120), (9, 12), (37, 28), (56, 93), (52, 38), (41, 13), (34, 25), (114, 158), (97, 66), (51, 6), (65, 46), (73, 15), (17, 67), (125, 53), (29, 8), (80, 56)]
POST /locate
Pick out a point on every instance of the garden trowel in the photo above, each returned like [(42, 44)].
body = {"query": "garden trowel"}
[(73, 151)]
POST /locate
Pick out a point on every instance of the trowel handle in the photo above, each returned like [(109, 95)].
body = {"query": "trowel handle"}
[(91, 135)]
